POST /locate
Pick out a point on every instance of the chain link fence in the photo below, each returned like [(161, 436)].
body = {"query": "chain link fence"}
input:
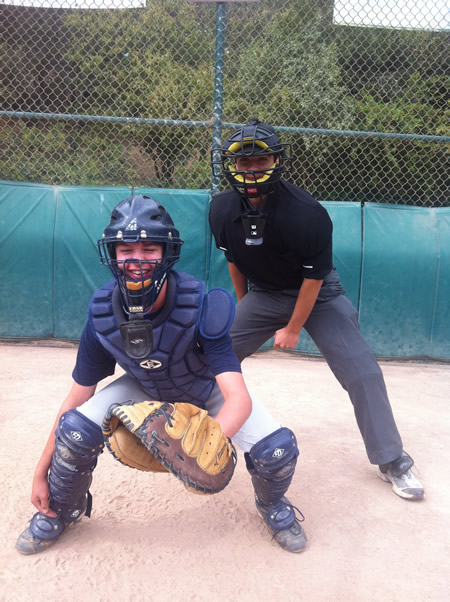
[(123, 92)]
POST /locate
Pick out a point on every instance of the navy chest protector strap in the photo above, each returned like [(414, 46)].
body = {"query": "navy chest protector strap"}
[(217, 315)]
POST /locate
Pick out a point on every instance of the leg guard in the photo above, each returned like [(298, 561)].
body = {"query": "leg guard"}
[(271, 463), (78, 443)]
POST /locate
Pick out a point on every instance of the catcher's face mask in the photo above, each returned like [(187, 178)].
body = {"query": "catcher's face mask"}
[(149, 245), (138, 266), (140, 219)]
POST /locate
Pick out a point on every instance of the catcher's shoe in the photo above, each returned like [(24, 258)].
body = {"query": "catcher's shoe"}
[(50, 530), (404, 481), (43, 531), (291, 538)]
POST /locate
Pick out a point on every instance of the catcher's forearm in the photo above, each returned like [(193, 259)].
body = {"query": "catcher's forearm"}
[(238, 403), (231, 422), (46, 457)]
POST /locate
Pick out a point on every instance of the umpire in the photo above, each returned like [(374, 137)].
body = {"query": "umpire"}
[(278, 242)]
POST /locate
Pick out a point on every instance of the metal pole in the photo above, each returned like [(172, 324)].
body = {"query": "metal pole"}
[(207, 124), (219, 68)]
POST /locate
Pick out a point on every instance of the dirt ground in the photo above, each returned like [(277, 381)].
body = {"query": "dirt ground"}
[(149, 539)]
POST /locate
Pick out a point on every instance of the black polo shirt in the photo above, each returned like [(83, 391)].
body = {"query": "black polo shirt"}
[(297, 239)]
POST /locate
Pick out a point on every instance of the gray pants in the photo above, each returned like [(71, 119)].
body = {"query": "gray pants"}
[(333, 326), (257, 426)]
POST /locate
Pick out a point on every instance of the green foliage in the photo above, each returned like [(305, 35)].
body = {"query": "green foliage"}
[(55, 152), (285, 62), (153, 64)]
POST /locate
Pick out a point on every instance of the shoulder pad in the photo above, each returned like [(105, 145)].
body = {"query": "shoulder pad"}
[(217, 313)]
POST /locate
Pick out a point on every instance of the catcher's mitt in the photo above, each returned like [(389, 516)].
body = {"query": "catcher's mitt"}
[(180, 437)]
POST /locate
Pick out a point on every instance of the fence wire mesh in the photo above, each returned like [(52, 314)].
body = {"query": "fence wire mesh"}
[(119, 92)]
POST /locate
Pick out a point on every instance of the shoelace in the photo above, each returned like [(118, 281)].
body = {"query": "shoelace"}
[(299, 512)]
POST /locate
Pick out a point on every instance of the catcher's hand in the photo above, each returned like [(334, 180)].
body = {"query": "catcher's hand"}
[(180, 437)]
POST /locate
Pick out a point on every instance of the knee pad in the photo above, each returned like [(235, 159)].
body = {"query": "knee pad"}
[(274, 453), (78, 442), (78, 439), (271, 462)]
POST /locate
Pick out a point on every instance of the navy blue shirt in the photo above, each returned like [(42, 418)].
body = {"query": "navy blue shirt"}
[(297, 238)]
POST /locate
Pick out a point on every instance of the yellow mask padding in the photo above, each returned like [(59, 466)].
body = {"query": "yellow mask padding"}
[(264, 177), (236, 146)]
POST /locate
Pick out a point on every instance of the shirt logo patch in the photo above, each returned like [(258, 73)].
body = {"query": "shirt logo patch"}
[(150, 364)]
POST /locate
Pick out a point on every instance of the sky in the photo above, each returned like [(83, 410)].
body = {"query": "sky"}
[(78, 3), (409, 14)]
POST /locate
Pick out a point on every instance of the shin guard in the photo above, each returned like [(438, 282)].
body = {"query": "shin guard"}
[(271, 463), (78, 443)]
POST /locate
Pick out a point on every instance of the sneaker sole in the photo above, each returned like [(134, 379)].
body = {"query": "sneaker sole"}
[(401, 492), (33, 546)]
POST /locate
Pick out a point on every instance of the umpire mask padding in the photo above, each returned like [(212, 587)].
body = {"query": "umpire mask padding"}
[(253, 139)]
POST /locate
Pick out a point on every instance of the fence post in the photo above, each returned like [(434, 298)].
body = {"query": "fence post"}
[(219, 68)]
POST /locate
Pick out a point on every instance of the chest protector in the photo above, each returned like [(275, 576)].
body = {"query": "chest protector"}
[(176, 370)]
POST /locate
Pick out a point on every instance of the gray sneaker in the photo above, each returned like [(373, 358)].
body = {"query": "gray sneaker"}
[(404, 482), (292, 538)]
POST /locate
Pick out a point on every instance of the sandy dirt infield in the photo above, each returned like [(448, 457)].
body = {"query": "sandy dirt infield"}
[(149, 539)]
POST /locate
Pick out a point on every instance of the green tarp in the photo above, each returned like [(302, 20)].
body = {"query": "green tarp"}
[(394, 262)]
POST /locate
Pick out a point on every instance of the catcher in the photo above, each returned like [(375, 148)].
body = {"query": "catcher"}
[(182, 402)]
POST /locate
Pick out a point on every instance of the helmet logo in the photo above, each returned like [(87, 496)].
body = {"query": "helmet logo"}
[(132, 225), (150, 364)]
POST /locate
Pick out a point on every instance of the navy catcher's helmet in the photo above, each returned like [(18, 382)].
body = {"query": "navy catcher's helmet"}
[(140, 219), (251, 140)]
